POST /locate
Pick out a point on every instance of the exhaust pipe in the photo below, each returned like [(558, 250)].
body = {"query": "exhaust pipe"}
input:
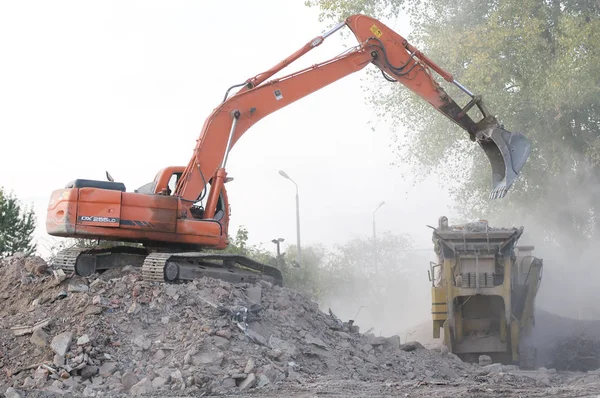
[(507, 152)]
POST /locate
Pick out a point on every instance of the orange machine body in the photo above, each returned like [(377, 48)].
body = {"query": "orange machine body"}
[(152, 219)]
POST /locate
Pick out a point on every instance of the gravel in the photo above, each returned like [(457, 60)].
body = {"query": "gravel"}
[(116, 335)]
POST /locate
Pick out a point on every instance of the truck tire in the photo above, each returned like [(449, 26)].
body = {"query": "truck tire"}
[(527, 357)]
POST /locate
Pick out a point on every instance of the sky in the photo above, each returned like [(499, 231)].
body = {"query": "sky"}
[(125, 86)]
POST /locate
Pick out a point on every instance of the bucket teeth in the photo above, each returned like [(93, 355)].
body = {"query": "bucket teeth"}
[(498, 192), (507, 153)]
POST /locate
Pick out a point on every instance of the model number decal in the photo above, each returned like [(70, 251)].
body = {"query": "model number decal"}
[(110, 220)]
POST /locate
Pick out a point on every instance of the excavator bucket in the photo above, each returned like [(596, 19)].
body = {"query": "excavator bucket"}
[(508, 152)]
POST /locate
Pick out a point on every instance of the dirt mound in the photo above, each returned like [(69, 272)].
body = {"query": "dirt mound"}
[(576, 354), (115, 333), (479, 226), (563, 343), (553, 334)]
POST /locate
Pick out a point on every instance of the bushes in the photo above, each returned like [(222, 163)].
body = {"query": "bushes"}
[(17, 225)]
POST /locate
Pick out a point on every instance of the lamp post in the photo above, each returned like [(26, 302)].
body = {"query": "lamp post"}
[(375, 232), (284, 175), (277, 242), (374, 211)]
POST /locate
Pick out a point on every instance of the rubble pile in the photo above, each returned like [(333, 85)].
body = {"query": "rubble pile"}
[(577, 353), (479, 226), (115, 333)]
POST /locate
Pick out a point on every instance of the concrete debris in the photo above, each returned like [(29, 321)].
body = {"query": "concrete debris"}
[(577, 353), (254, 294), (485, 360), (493, 368), (114, 334), (248, 382), (60, 343), (11, 393), (35, 265), (479, 226), (83, 340), (23, 330), (40, 338), (144, 386), (411, 346)]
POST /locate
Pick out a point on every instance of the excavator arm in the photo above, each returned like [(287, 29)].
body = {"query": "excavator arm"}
[(398, 60)]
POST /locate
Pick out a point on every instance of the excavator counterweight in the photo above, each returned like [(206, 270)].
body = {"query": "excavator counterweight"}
[(184, 211)]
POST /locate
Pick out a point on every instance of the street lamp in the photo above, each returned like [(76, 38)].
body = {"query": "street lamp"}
[(277, 242), (374, 233), (284, 175), (374, 211)]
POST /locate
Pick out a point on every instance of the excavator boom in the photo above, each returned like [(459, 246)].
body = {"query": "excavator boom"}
[(398, 60)]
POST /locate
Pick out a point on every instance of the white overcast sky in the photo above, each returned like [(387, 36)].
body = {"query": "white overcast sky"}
[(125, 86)]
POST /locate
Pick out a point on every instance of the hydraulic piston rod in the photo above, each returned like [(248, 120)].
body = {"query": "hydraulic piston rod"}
[(236, 116)]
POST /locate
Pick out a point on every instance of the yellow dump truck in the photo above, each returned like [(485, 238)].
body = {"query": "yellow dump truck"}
[(483, 292)]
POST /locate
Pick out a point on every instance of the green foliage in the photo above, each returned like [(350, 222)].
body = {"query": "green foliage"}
[(17, 225), (239, 245), (337, 10), (311, 276), (537, 66), (305, 278)]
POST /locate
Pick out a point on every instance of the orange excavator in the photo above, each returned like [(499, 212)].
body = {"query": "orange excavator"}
[(185, 211)]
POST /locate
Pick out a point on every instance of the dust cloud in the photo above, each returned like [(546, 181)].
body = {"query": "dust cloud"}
[(563, 230), (391, 302), (563, 233)]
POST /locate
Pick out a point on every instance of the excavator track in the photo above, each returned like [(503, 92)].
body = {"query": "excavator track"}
[(66, 259), (89, 260), (180, 267), (170, 267), (153, 267)]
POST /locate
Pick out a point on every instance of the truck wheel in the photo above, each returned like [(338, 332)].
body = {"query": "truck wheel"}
[(527, 357)]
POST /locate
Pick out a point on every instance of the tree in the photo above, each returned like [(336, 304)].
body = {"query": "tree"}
[(238, 244), (311, 277), (537, 65), (17, 225)]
